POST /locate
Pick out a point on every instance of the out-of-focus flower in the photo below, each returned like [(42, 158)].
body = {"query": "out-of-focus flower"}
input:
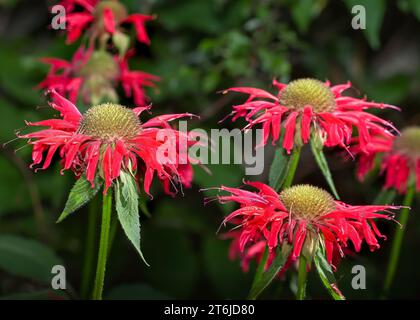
[(71, 5), (134, 81), (400, 158), (302, 216), (109, 138), (95, 75), (308, 106), (102, 20)]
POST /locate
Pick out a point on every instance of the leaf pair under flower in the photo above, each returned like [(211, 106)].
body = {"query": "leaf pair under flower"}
[(126, 204)]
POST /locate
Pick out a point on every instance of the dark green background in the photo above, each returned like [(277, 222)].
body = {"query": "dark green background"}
[(198, 48)]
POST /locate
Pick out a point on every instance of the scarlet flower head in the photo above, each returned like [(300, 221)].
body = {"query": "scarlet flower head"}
[(400, 158), (308, 106), (110, 138), (102, 19), (302, 216), (95, 75)]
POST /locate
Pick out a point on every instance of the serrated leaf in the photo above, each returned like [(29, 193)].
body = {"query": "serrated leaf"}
[(326, 274), (27, 258), (127, 205), (81, 193), (323, 165), (265, 278), (279, 168), (121, 41)]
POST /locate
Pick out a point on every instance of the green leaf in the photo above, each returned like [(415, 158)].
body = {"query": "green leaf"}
[(127, 205), (323, 165), (279, 168), (81, 193), (326, 274), (375, 11), (27, 258), (304, 11), (267, 277), (121, 41)]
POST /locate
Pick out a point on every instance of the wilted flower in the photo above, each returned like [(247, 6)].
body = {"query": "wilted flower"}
[(102, 19), (95, 75), (308, 106), (109, 138), (302, 216), (400, 158)]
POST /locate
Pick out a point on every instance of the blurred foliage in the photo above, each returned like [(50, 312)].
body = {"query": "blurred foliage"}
[(199, 48)]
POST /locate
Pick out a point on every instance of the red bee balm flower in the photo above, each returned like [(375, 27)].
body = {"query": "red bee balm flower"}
[(301, 216), (400, 160), (308, 105), (103, 18), (95, 75), (109, 138)]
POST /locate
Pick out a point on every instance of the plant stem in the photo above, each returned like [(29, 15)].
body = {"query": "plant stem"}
[(302, 277), (398, 238), (260, 268), (103, 246), (292, 167), (112, 234), (88, 261), (287, 183)]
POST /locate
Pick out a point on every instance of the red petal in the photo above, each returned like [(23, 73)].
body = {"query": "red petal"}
[(109, 20)]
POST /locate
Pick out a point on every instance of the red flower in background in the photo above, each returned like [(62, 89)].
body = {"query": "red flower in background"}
[(254, 251), (134, 81), (306, 106), (400, 158), (109, 138), (102, 18), (63, 75), (95, 75), (301, 216)]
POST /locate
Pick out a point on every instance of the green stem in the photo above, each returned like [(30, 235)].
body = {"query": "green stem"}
[(89, 260), (398, 238), (302, 277), (103, 246), (294, 160), (112, 234), (261, 265)]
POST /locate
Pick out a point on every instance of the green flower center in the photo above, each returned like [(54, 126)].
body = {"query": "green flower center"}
[(307, 202), (110, 121), (409, 142), (119, 11), (100, 64), (303, 92)]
